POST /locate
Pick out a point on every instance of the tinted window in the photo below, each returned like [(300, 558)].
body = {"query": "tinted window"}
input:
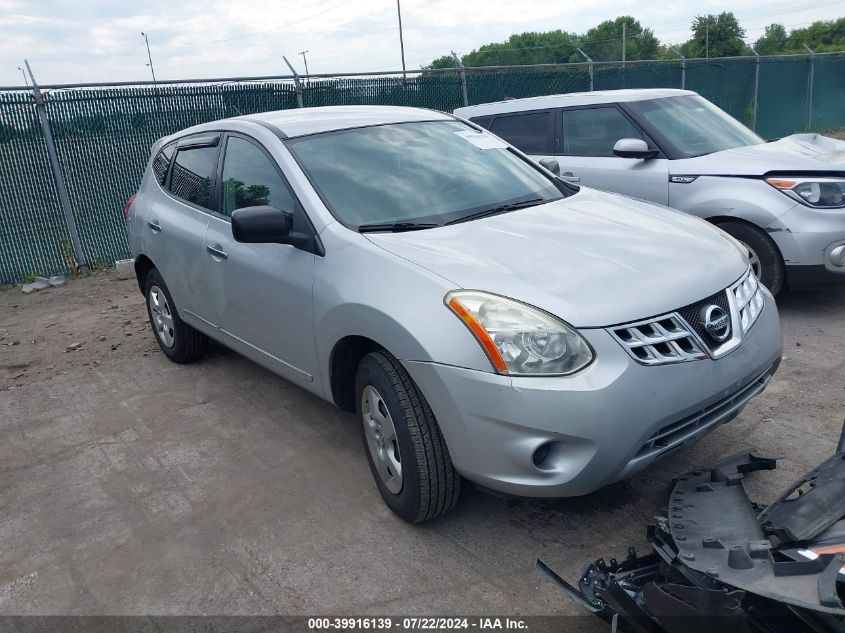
[(250, 179), (693, 126), (162, 161), (594, 132), (532, 132), (193, 172), (483, 121), (432, 172)]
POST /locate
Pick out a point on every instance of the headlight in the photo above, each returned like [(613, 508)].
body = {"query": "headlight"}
[(520, 339), (821, 193)]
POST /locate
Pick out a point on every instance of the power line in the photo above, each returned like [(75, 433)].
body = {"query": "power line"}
[(264, 32)]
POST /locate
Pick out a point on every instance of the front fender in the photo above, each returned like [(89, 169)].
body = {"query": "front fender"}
[(361, 289), (749, 199)]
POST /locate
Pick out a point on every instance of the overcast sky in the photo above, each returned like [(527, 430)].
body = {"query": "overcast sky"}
[(100, 40)]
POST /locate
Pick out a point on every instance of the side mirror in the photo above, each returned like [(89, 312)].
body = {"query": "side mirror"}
[(633, 148), (552, 165), (261, 225)]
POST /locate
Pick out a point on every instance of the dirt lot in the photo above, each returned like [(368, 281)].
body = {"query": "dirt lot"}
[(130, 485)]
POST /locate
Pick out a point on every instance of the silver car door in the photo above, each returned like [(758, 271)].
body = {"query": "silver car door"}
[(263, 292), (586, 154)]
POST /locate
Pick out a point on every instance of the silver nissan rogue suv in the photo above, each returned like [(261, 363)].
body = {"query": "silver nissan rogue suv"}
[(483, 318)]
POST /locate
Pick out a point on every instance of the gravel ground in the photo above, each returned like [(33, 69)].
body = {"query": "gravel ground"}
[(130, 485)]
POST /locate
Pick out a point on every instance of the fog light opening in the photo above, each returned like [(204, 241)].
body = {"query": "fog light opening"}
[(541, 456), (837, 256)]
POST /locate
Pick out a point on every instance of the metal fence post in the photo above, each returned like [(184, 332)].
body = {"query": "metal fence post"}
[(463, 75), (810, 80), (296, 83), (755, 102), (590, 64), (683, 72), (58, 176)]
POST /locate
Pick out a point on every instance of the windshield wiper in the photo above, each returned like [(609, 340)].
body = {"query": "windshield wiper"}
[(499, 208), (396, 227)]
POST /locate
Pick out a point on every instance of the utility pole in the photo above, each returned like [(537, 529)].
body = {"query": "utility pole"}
[(401, 41), (149, 57), (623, 43), (305, 61), (707, 38)]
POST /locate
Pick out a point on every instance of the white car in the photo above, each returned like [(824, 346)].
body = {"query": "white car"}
[(784, 200)]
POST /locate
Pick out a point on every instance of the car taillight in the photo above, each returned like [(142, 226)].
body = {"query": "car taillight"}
[(129, 205)]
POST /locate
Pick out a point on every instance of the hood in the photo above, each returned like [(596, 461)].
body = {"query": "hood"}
[(593, 259), (796, 153)]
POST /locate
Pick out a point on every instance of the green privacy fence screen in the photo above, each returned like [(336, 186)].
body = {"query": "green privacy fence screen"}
[(103, 133)]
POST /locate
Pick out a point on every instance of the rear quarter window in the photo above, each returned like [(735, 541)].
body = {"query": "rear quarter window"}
[(483, 121), (531, 132), (162, 161)]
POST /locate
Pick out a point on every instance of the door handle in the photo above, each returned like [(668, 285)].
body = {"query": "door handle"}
[(154, 225), (216, 251), (568, 176)]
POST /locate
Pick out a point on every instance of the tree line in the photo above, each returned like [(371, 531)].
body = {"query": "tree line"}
[(712, 36)]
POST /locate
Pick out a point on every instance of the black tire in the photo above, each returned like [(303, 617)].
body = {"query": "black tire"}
[(772, 270), (430, 484), (188, 344)]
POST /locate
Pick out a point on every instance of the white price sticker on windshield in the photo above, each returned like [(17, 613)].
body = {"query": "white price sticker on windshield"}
[(482, 140)]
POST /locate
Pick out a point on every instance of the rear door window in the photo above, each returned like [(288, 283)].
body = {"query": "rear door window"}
[(594, 131), (531, 132), (193, 174)]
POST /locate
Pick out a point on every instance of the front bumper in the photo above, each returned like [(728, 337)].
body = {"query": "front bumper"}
[(602, 424), (808, 239)]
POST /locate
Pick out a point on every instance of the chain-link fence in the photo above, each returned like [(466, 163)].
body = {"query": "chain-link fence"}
[(102, 134)]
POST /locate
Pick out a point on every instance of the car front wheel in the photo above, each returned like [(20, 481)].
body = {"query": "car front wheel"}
[(763, 255), (405, 448)]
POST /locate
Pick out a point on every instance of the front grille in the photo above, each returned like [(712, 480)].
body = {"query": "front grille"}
[(681, 336), (678, 432), (748, 299), (692, 314), (657, 341)]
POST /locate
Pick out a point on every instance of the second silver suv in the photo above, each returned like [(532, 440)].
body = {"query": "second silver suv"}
[(784, 200)]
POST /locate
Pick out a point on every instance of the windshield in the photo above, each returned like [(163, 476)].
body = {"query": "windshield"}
[(693, 126), (417, 174)]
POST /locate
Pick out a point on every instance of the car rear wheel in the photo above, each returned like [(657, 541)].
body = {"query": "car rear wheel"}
[(179, 341), (405, 448), (764, 257)]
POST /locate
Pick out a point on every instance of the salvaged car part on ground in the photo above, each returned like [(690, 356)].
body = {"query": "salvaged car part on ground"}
[(721, 560)]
